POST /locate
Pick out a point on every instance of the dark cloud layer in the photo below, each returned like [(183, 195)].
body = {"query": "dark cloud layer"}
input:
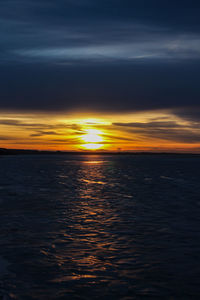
[(170, 131), (100, 55)]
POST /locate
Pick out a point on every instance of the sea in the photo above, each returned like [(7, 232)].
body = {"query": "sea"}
[(99, 227)]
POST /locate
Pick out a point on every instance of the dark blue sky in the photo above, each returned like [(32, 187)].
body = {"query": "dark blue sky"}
[(100, 55)]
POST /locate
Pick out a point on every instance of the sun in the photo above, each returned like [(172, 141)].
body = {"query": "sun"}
[(92, 136), (91, 146), (92, 139)]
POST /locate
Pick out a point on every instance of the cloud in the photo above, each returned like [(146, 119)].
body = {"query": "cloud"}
[(188, 113), (171, 48), (43, 133), (10, 122), (111, 87), (170, 131), (99, 55), (166, 124), (39, 126), (5, 138)]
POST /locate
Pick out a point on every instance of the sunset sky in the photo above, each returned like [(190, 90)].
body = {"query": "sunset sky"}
[(100, 75)]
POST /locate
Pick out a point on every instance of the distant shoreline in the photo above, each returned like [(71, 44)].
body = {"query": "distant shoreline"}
[(4, 151)]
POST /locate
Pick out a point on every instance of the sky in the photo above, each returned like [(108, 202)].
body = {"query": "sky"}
[(100, 74)]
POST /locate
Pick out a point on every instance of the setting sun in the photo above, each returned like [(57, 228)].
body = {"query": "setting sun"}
[(91, 146), (91, 139), (92, 136)]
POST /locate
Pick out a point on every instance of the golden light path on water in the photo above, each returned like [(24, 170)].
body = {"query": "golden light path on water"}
[(92, 216)]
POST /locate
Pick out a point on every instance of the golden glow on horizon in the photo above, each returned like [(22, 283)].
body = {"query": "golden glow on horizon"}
[(92, 121), (114, 132)]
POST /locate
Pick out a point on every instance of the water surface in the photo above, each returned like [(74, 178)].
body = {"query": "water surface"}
[(100, 227)]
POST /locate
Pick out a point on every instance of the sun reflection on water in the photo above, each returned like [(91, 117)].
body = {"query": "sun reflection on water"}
[(90, 219), (93, 162)]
